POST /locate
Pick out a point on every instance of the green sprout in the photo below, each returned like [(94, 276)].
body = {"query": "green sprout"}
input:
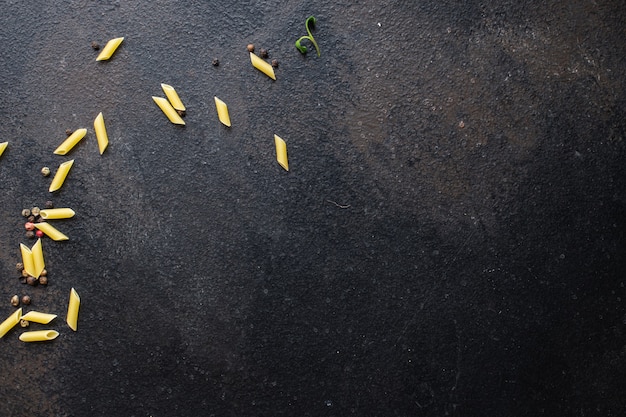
[(310, 21)]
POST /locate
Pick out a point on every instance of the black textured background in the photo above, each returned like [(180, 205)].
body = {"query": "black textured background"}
[(405, 266)]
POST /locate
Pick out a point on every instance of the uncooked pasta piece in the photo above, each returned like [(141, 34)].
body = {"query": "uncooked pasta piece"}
[(222, 112), (3, 146), (60, 176), (169, 111), (109, 48), (281, 152), (172, 96), (28, 261), (70, 142), (39, 336), (101, 133), (57, 213), (10, 322), (72, 310), (38, 261), (51, 231), (262, 66), (39, 317)]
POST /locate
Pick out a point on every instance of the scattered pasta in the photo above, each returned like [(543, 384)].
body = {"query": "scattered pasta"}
[(172, 96), (10, 322), (70, 142), (101, 133), (262, 66), (3, 146), (38, 317), (168, 110), (51, 231), (57, 213), (222, 112), (39, 336), (281, 152), (27, 260), (72, 310), (109, 48), (59, 177)]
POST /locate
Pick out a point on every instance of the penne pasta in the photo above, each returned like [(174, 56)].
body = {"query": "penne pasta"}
[(172, 96), (57, 213), (281, 152), (38, 317), (39, 264), (101, 133), (70, 142), (60, 176), (169, 111), (109, 48), (10, 322), (50, 231), (72, 310), (262, 66), (3, 146), (28, 261), (222, 112), (39, 336)]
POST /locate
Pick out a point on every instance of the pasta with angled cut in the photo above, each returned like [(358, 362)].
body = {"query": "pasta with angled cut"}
[(168, 110), (3, 147), (51, 231), (38, 317), (109, 48), (172, 96), (61, 174), (57, 213), (71, 141), (39, 336), (262, 66), (222, 112), (281, 152), (27, 260), (72, 310), (38, 261), (101, 133), (10, 322)]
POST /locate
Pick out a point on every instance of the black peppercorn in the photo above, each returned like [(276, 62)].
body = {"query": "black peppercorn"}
[(30, 234), (95, 45), (43, 280), (49, 204), (68, 132), (263, 53), (31, 280), (216, 62), (275, 63)]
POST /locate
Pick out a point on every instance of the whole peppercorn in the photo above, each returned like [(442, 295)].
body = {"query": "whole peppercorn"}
[(24, 273), (44, 273), (29, 225), (39, 219), (95, 45), (26, 212), (250, 47), (263, 53), (15, 301), (68, 132), (30, 234), (31, 219), (39, 233), (31, 280), (26, 300), (275, 63), (19, 266), (215, 62), (35, 211), (49, 204), (43, 280), (24, 323), (181, 113), (45, 171), (22, 280)]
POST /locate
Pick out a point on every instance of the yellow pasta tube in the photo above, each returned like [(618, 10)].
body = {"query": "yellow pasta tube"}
[(60, 176), (50, 231), (70, 142), (72, 310), (222, 112), (262, 66), (169, 111), (28, 261), (281, 152), (172, 96), (109, 48), (3, 146), (57, 213), (101, 133), (10, 322), (38, 317), (39, 336), (39, 264)]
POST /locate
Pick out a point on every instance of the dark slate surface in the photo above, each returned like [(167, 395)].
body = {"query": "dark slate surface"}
[(405, 266)]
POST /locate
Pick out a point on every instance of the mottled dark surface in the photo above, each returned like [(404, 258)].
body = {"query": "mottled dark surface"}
[(405, 266)]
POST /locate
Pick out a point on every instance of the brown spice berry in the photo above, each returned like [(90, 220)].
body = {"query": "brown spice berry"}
[(45, 171), (31, 219), (35, 211), (44, 273), (250, 47), (95, 45), (181, 113), (31, 280), (68, 132), (39, 219), (275, 63), (216, 62), (30, 234), (24, 323), (43, 280), (15, 301), (26, 212), (24, 273), (26, 300), (22, 280), (19, 266), (263, 53), (49, 204)]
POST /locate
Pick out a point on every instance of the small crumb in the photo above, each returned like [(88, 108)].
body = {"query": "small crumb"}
[(95, 45), (461, 124), (250, 47), (68, 132), (275, 63), (181, 113), (216, 62)]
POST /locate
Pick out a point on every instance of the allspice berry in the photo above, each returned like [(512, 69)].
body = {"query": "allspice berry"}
[(24, 273), (24, 323), (45, 171), (263, 53), (19, 266), (49, 204), (44, 273), (43, 280), (15, 301), (26, 300), (30, 234), (31, 280), (250, 47), (26, 212)]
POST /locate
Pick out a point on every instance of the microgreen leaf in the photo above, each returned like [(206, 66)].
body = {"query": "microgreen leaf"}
[(310, 22)]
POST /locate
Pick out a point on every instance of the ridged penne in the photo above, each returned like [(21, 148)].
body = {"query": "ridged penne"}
[(10, 322), (51, 231), (38, 317), (57, 213), (28, 261), (222, 112), (168, 110), (262, 66), (39, 336), (109, 48), (3, 146), (101, 133), (72, 310), (70, 142), (59, 177), (172, 96), (281, 152), (38, 261)]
